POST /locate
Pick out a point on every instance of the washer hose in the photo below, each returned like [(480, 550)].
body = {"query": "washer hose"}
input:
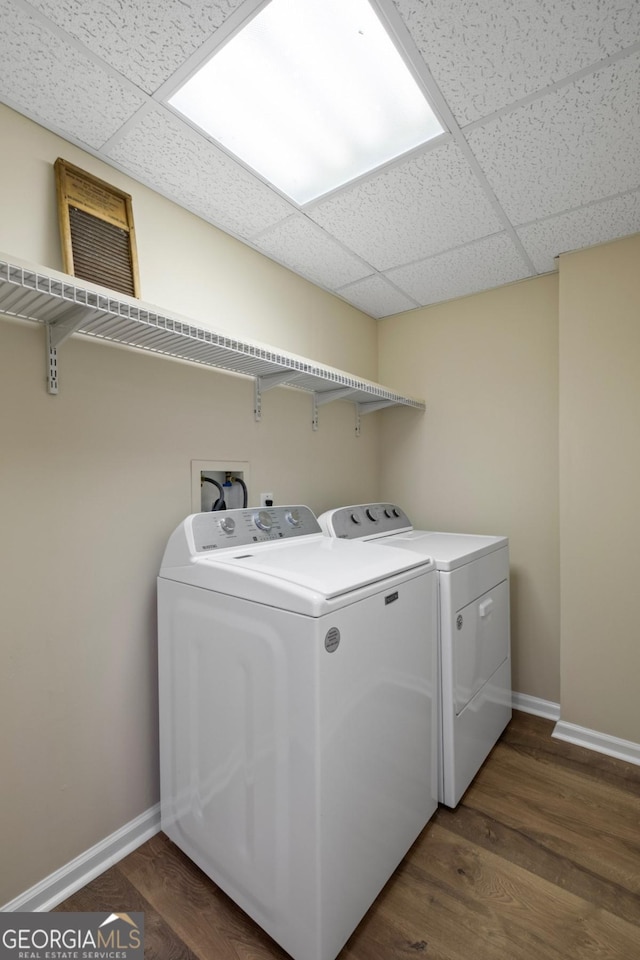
[(218, 504)]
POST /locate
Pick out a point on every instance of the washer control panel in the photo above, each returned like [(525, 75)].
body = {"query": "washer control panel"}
[(365, 520), (232, 528)]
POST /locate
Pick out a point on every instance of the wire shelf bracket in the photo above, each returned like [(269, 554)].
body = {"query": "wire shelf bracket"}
[(267, 382), (369, 407), (57, 332), (327, 396)]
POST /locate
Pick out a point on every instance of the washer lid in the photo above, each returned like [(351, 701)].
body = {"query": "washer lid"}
[(301, 575), (324, 566)]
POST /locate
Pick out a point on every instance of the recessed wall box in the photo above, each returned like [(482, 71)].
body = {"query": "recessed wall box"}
[(211, 478)]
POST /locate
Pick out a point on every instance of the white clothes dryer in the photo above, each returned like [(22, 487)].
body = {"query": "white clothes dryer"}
[(298, 715), (474, 631)]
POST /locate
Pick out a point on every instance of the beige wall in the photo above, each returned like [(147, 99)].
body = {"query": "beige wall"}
[(93, 481), (599, 487), (484, 458)]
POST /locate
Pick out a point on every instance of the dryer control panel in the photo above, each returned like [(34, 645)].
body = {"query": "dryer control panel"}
[(233, 528), (365, 520)]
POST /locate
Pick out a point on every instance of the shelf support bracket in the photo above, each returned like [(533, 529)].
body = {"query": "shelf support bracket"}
[(57, 332), (52, 365), (327, 396), (371, 407), (267, 382)]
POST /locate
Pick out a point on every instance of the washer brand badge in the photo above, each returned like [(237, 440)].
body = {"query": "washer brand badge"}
[(332, 640), (71, 936)]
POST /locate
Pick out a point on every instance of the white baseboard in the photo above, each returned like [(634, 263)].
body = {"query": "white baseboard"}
[(600, 742), (536, 706), (55, 888), (580, 736)]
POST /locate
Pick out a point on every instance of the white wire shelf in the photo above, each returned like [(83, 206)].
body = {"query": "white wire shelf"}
[(67, 307)]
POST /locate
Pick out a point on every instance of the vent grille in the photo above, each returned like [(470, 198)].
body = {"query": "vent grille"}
[(101, 251), (96, 228)]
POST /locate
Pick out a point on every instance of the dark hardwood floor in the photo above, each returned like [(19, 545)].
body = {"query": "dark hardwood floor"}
[(540, 861)]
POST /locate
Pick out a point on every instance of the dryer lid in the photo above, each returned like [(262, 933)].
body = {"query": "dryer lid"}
[(449, 550), (388, 524)]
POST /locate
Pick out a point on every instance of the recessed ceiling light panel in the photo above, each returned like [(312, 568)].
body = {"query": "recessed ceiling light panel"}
[(310, 94)]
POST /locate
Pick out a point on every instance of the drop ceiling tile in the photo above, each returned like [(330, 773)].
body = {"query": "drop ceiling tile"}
[(304, 247), (485, 54), (377, 297), (172, 158), (428, 203), (597, 223), (49, 80), (486, 263), (577, 144), (147, 40)]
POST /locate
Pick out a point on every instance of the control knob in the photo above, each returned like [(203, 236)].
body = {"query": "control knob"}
[(355, 518), (227, 524), (371, 513), (263, 521), (293, 517)]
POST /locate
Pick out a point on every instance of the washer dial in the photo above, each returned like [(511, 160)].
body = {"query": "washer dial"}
[(263, 521), (227, 524)]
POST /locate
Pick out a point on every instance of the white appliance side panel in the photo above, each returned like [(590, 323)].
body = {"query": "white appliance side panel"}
[(379, 728), (295, 777), (237, 772)]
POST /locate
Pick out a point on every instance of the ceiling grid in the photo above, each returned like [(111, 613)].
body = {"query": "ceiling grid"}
[(541, 102)]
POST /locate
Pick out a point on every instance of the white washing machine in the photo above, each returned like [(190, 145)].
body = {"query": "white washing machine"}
[(474, 631), (298, 715)]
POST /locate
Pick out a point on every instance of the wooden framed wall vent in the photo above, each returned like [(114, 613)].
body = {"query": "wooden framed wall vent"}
[(96, 228)]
